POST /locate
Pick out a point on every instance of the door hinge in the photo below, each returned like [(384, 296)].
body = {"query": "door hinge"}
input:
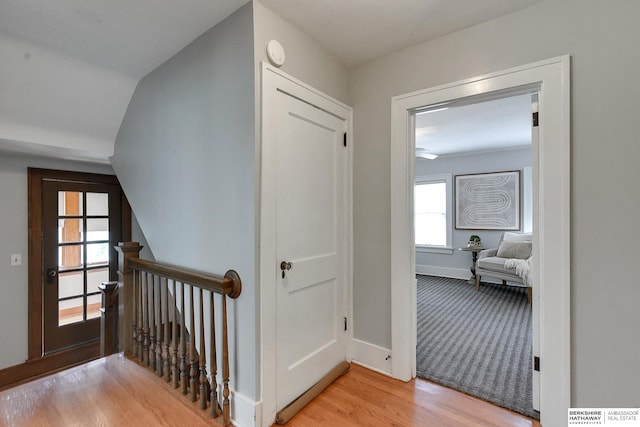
[(535, 119), (345, 139), (536, 363), (345, 323)]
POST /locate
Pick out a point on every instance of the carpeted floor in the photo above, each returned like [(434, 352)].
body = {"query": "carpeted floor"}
[(478, 342)]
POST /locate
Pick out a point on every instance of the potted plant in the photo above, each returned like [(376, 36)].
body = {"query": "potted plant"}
[(474, 240)]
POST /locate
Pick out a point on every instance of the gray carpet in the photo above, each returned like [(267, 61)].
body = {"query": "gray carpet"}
[(478, 342)]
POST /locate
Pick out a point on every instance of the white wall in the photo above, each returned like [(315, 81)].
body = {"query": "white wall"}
[(601, 38), (14, 239), (495, 161)]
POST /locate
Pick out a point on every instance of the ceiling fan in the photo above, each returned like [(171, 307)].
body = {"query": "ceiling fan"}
[(425, 154)]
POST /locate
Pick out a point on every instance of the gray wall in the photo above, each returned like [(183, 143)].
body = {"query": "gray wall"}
[(194, 117), (306, 59), (14, 239), (185, 156), (468, 164), (601, 38)]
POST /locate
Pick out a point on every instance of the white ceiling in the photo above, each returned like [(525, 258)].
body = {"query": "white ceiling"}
[(69, 67), (491, 125), (360, 30), (136, 36)]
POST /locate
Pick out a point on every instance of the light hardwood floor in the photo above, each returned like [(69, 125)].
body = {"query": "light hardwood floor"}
[(366, 398), (115, 391), (111, 391)]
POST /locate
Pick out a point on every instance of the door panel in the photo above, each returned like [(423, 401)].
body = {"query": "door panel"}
[(81, 223), (310, 234)]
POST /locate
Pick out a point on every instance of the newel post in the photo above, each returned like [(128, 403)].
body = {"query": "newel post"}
[(126, 251), (109, 318)]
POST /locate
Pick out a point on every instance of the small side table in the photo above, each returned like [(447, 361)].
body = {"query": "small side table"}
[(474, 257)]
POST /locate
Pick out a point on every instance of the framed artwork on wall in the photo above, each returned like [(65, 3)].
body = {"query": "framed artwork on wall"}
[(488, 201)]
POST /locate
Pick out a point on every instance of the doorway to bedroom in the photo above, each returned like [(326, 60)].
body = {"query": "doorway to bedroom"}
[(551, 301), (474, 186)]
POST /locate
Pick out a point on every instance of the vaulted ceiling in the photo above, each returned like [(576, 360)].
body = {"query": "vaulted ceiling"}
[(68, 68)]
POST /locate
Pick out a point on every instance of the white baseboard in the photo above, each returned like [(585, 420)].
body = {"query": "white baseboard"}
[(371, 356), (454, 273), (244, 411)]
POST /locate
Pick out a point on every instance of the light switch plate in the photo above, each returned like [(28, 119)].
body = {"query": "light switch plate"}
[(16, 259)]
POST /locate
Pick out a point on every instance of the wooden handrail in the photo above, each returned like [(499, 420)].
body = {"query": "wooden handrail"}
[(229, 285), (162, 336)]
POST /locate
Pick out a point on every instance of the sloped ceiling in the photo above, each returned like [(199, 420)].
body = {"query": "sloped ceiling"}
[(68, 68), (130, 37)]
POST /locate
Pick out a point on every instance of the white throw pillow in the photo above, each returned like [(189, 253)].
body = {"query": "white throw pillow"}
[(519, 237), (514, 249)]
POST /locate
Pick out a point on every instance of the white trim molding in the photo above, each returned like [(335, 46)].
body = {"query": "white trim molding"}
[(453, 273), (434, 249), (551, 219), (244, 411), (371, 356)]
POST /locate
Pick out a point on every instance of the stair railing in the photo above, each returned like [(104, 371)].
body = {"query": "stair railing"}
[(158, 306)]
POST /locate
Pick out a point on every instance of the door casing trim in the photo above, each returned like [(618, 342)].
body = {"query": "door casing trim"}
[(551, 221)]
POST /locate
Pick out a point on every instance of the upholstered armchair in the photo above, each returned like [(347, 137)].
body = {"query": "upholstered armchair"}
[(510, 261)]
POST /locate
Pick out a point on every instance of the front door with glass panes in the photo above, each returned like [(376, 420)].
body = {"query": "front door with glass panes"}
[(81, 224)]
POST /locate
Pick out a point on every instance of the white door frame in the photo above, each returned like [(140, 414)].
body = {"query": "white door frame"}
[(273, 80), (552, 216)]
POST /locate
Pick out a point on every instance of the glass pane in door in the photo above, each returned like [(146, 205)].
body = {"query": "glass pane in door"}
[(97, 253), (70, 203), (70, 256), (70, 311), (97, 204), (95, 278), (94, 303), (70, 230), (97, 229), (70, 284)]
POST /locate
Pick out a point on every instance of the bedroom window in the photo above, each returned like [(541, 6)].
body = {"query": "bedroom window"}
[(432, 221)]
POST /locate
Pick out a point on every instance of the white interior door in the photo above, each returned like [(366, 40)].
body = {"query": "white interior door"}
[(311, 234)]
